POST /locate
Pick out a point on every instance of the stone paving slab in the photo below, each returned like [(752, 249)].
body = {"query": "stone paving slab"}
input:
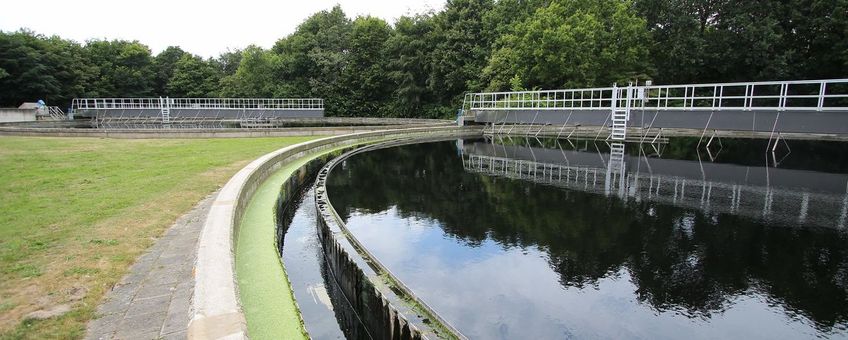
[(152, 301)]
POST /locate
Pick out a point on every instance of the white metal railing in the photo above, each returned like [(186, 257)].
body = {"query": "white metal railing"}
[(199, 103), (53, 112), (56, 113), (817, 95)]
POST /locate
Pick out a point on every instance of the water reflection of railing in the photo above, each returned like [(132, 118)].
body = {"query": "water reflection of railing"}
[(788, 206)]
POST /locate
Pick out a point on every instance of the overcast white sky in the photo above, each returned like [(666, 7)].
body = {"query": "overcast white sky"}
[(201, 27)]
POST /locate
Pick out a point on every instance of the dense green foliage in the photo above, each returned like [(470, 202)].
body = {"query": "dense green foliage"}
[(422, 65)]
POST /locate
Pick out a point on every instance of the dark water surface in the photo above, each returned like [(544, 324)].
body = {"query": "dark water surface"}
[(302, 256), (326, 313), (524, 239)]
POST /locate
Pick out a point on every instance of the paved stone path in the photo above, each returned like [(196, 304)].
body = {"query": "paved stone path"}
[(153, 300)]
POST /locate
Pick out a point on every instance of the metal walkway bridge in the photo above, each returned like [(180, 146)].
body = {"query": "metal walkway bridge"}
[(772, 107), (786, 196), (194, 112)]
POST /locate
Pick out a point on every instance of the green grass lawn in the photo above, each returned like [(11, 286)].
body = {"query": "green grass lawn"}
[(76, 212)]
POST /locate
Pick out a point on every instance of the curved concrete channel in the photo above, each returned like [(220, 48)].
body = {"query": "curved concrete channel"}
[(350, 261), (218, 305)]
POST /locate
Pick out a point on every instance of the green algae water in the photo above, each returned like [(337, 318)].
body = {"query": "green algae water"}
[(544, 239)]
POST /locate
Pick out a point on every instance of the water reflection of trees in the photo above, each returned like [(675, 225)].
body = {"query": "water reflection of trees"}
[(678, 259)]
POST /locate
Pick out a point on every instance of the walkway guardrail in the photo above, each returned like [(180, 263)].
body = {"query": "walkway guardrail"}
[(56, 113), (819, 95), (199, 103)]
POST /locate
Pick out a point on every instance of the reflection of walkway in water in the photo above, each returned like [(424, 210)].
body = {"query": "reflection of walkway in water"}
[(787, 196)]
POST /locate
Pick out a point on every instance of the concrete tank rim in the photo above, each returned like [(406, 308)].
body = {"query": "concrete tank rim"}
[(323, 199), (216, 310)]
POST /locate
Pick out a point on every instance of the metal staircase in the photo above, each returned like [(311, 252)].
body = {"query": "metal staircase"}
[(165, 108), (56, 113), (621, 103)]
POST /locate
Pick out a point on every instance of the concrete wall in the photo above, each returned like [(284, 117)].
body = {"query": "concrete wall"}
[(216, 311), (376, 312), (315, 127), (198, 133), (824, 122), (55, 124), (16, 115)]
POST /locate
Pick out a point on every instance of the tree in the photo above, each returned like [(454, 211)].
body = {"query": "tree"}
[(124, 68), (366, 83), (680, 33), (36, 67), (460, 48), (572, 44), (818, 33), (24, 55), (424, 64), (505, 14), (313, 59), (720, 40), (408, 66), (228, 62), (255, 76), (163, 65), (193, 77)]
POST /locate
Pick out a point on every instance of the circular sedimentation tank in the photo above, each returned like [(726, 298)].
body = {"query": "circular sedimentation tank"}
[(453, 235), (541, 238)]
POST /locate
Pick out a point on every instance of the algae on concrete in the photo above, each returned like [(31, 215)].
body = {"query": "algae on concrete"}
[(264, 292)]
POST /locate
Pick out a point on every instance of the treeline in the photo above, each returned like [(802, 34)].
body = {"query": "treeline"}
[(422, 65)]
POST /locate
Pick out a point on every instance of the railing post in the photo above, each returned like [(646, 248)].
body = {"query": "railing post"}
[(784, 91), (581, 99), (715, 90)]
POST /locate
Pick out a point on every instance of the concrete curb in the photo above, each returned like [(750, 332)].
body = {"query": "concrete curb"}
[(200, 133), (216, 312)]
